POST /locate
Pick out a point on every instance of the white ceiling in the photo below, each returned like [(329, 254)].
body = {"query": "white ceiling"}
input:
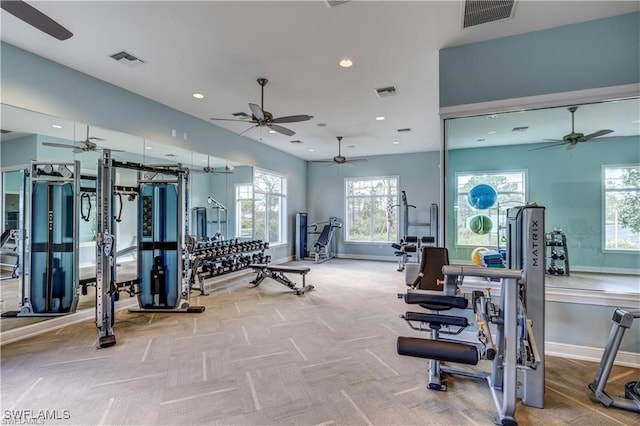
[(220, 48)]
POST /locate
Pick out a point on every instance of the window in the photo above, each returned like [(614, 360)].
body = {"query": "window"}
[(510, 188), (370, 215), (269, 205), (244, 211), (621, 207)]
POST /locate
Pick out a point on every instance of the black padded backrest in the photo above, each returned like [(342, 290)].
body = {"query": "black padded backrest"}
[(433, 259), (323, 239)]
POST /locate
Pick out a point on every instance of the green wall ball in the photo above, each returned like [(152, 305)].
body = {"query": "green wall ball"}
[(480, 224)]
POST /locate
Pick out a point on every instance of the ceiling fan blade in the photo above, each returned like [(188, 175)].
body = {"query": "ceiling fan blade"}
[(36, 19), (596, 134), (283, 130), (57, 145), (230, 119), (357, 160), (256, 111), (292, 119), (79, 150), (248, 130), (554, 140), (548, 146), (94, 138)]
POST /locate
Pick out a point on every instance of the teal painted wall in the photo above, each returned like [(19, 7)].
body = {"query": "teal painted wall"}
[(34, 83), (419, 177), (19, 151), (567, 183), (599, 53)]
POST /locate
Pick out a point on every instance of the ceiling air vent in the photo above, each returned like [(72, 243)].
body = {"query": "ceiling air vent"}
[(334, 3), (478, 12), (383, 92), (296, 141), (520, 129), (127, 59), (405, 130), (240, 114)]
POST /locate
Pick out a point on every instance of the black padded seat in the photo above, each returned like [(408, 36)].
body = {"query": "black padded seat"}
[(436, 302)]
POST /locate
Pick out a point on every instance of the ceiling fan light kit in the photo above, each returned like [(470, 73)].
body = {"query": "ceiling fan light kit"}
[(262, 118), (573, 138), (340, 159)]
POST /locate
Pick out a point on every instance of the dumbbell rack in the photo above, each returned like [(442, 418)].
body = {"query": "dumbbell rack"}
[(557, 254), (215, 258)]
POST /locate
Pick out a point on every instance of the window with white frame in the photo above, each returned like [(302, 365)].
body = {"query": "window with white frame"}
[(269, 206), (483, 227), (370, 216), (244, 210), (621, 207)]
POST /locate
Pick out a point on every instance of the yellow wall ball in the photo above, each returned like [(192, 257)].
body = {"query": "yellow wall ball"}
[(475, 255)]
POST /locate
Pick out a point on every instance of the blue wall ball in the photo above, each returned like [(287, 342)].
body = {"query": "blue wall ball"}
[(482, 196)]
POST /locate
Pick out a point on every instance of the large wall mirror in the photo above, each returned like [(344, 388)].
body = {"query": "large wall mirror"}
[(213, 190), (590, 189)]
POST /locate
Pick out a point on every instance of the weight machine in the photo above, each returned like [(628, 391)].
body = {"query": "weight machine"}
[(325, 245), (622, 321), (410, 245), (46, 239), (163, 271), (517, 350)]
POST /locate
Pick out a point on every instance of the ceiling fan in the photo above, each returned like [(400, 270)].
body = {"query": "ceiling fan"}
[(226, 170), (262, 118), (86, 145), (340, 159), (573, 138), (35, 18)]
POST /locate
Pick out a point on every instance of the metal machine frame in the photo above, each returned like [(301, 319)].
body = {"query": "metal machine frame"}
[(106, 288), (51, 174)]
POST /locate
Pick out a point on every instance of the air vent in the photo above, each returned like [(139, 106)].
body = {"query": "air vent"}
[(520, 129), (478, 12), (296, 141), (334, 3), (3, 131), (240, 114), (127, 59), (170, 155), (383, 92), (405, 130)]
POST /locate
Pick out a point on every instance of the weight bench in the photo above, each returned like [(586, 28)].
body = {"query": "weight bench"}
[(277, 273)]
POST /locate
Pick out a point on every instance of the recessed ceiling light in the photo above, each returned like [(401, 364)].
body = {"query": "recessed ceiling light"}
[(345, 63), (492, 117), (198, 95), (203, 160), (493, 132), (636, 121), (272, 131), (311, 149), (396, 142), (148, 147), (379, 118), (56, 126)]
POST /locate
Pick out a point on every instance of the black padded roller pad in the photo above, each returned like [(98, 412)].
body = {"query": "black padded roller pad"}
[(444, 302), (438, 350), (436, 319)]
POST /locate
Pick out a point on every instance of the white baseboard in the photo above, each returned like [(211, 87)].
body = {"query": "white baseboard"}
[(587, 353), (604, 270), (563, 350)]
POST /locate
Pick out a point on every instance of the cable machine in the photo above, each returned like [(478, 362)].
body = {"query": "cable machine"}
[(163, 271), (47, 241)]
